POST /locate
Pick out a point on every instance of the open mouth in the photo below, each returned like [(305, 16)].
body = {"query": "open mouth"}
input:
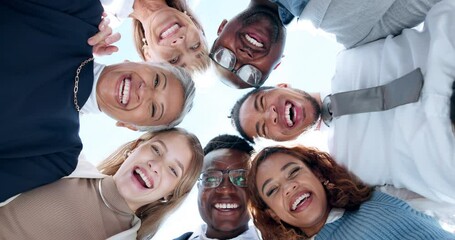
[(169, 31), (289, 114), (299, 201), (124, 91), (226, 206), (254, 41), (142, 178)]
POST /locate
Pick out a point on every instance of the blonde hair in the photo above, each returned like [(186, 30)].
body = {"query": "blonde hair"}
[(182, 6), (153, 214)]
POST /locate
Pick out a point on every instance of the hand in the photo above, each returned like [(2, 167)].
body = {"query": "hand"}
[(103, 40)]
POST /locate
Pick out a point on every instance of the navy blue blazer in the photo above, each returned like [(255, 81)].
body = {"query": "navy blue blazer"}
[(42, 44)]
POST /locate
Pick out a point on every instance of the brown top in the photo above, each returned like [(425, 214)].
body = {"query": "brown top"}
[(70, 208)]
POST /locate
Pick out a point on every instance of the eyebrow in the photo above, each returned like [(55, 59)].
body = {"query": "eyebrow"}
[(161, 104), (165, 80), (283, 168), (177, 161)]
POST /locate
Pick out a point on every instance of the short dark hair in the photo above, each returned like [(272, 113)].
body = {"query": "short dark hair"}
[(235, 119), (229, 142)]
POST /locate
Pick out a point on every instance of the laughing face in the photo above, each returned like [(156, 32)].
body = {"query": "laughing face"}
[(139, 94), (153, 169), (292, 192), (280, 113), (224, 208), (256, 37), (173, 37)]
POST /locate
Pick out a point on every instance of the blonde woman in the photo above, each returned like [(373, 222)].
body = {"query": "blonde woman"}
[(144, 179)]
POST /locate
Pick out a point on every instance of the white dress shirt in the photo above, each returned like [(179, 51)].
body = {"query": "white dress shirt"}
[(411, 146)]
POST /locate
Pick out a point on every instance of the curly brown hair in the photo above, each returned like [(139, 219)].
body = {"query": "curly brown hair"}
[(344, 190)]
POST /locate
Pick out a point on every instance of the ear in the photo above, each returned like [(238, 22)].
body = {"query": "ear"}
[(126, 61), (283, 85), (273, 215), (221, 27), (126, 125), (145, 49), (278, 64)]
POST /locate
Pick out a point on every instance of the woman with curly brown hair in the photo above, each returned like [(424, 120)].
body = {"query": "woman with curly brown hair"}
[(300, 193)]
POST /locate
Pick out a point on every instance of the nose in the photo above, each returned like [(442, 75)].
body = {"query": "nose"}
[(289, 188), (272, 115), (155, 166), (245, 52), (178, 40), (225, 185)]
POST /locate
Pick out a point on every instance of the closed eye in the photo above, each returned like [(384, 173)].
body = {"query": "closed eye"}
[(174, 60), (153, 110), (294, 172), (271, 191), (156, 150), (173, 171), (195, 46), (156, 82)]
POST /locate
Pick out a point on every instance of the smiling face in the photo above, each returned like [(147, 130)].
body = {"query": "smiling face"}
[(153, 169), (173, 37), (224, 208), (280, 113), (256, 37), (292, 192), (140, 94)]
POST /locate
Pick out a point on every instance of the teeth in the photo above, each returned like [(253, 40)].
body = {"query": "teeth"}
[(124, 91), (169, 31), (287, 114), (253, 41), (300, 199), (226, 205), (144, 178)]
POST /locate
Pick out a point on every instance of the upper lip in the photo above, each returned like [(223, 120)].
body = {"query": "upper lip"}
[(167, 27), (147, 174), (247, 45), (296, 196)]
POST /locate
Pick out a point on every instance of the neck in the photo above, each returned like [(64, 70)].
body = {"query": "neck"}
[(144, 8), (317, 96), (311, 231), (218, 234)]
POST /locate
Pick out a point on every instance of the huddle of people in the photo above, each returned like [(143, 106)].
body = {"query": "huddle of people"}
[(288, 192)]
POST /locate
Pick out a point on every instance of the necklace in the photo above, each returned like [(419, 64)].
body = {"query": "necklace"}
[(76, 82), (107, 204)]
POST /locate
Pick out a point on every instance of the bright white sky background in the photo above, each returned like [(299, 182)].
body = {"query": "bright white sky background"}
[(309, 64)]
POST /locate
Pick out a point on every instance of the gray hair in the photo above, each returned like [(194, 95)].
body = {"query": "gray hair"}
[(189, 91)]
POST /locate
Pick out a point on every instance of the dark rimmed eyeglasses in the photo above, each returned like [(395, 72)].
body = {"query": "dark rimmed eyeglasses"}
[(213, 178), (247, 73)]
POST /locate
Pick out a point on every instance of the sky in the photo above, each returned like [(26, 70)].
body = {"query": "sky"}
[(308, 63)]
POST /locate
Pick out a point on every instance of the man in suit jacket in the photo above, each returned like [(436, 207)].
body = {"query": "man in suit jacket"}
[(47, 75), (410, 146)]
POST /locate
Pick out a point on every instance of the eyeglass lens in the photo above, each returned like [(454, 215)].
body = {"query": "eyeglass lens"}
[(213, 179)]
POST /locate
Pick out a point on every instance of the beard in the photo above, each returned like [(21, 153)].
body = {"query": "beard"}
[(316, 107)]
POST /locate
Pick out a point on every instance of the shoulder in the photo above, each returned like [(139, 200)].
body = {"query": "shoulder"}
[(184, 236)]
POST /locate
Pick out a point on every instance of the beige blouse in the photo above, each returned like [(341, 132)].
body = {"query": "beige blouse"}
[(70, 208)]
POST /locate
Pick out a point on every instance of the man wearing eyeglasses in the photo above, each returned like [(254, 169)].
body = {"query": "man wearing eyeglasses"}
[(222, 198), (251, 44)]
